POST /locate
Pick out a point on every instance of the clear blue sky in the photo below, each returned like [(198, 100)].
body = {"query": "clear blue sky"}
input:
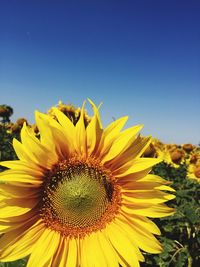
[(141, 58)]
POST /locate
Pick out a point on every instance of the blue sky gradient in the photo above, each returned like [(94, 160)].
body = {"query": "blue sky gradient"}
[(140, 58)]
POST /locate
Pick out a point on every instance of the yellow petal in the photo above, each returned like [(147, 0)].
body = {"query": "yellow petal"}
[(122, 142), (16, 207), (24, 154), (165, 187), (144, 222), (136, 165), (72, 257), (109, 252), (12, 223), (81, 139), (8, 211), (44, 249), (129, 181), (135, 150), (110, 133), (63, 140), (93, 131), (96, 258), (141, 181), (118, 240), (4, 227), (140, 236), (10, 191), (46, 135), (155, 178), (20, 151), (60, 258), (19, 176), (18, 243), (63, 146), (23, 166), (34, 149), (145, 196), (66, 123), (154, 211), (96, 110)]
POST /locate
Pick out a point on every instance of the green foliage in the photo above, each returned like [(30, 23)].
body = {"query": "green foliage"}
[(180, 233), (19, 263), (5, 113), (6, 149)]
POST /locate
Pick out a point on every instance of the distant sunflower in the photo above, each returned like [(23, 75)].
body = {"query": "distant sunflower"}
[(177, 157), (79, 196), (193, 171), (194, 157), (188, 147)]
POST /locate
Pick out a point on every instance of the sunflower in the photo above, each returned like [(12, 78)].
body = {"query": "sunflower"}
[(177, 157), (172, 156), (193, 171), (188, 147), (80, 196), (194, 157), (157, 149)]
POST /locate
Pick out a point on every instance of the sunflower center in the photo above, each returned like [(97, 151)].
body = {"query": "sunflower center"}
[(197, 172), (177, 156), (78, 197)]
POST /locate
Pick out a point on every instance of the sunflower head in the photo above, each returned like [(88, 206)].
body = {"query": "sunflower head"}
[(21, 121), (197, 171), (194, 157), (171, 147), (188, 147), (193, 170), (77, 189), (177, 156)]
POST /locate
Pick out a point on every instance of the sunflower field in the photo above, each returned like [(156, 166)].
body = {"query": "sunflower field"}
[(179, 165)]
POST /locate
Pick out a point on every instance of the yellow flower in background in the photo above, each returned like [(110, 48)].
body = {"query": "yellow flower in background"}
[(172, 155), (177, 157), (164, 155), (80, 196), (188, 147), (171, 147), (193, 170), (194, 156), (157, 149)]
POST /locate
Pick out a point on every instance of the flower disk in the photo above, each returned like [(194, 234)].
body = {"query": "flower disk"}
[(79, 194), (77, 199)]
